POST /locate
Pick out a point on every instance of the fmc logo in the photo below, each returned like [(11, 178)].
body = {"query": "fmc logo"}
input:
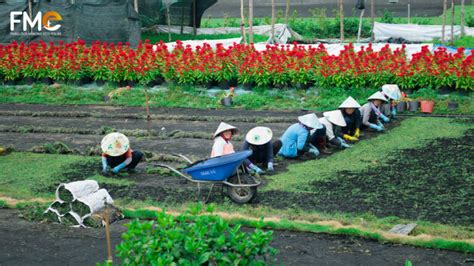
[(40, 20)]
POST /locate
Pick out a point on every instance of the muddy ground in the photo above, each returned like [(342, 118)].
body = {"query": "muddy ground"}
[(31, 243)]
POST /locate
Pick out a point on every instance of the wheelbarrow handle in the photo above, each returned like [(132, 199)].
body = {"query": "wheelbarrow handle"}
[(183, 157), (174, 170)]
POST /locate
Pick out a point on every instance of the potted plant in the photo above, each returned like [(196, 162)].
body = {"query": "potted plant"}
[(427, 98), (453, 102), (227, 100)]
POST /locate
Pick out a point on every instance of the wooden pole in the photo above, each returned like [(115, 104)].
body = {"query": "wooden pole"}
[(452, 22), (182, 18), (372, 17), (341, 10), (168, 20), (273, 21), (408, 13), (107, 235), (443, 27), (287, 11), (135, 4), (242, 21), (250, 21), (194, 18), (462, 18), (360, 25)]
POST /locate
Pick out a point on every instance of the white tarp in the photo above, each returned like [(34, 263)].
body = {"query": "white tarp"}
[(78, 189), (193, 43), (282, 31), (415, 33), (335, 49), (96, 201)]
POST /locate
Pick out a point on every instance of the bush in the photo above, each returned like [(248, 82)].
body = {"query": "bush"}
[(192, 239)]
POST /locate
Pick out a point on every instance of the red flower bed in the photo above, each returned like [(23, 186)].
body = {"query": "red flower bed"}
[(277, 65)]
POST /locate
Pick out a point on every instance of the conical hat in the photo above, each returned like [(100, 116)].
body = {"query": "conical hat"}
[(224, 127), (259, 135), (310, 120), (392, 91), (335, 117), (350, 103), (115, 144), (378, 96)]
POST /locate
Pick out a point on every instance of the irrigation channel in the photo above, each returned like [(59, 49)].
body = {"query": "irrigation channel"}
[(177, 130)]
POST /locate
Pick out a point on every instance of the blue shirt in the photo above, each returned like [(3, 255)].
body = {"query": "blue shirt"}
[(293, 140)]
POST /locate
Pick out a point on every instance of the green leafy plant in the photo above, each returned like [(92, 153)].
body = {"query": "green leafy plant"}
[(426, 94), (193, 239)]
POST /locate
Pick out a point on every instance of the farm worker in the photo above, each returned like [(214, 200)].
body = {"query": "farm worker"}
[(296, 139), (222, 138), (370, 112), (117, 154), (259, 140), (333, 121), (392, 93), (351, 113)]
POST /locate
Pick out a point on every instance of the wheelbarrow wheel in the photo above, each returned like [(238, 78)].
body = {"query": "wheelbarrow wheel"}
[(241, 194)]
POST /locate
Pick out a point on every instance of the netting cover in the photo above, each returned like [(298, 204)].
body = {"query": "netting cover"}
[(180, 11), (89, 20)]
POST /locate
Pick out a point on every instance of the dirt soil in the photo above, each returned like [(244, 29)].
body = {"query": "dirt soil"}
[(430, 183), (32, 243)]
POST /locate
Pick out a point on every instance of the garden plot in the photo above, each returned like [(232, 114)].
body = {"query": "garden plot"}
[(55, 244)]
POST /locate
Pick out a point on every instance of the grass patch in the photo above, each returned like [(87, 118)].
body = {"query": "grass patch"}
[(194, 97), (30, 175)]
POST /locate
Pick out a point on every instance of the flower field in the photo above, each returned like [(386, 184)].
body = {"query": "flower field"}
[(277, 65)]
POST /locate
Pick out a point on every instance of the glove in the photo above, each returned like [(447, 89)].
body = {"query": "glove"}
[(378, 128), (350, 138), (357, 133), (343, 143), (106, 171), (104, 164), (384, 118), (256, 169), (314, 151), (119, 167), (394, 113), (270, 167)]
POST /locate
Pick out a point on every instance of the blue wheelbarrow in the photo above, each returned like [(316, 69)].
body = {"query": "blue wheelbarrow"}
[(223, 170)]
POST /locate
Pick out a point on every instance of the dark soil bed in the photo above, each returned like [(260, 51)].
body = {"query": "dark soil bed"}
[(31, 243), (433, 183)]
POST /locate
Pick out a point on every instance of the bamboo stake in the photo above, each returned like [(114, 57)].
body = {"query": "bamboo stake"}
[(107, 234), (194, 18), (360, 25), (168, 20), (452, 22), (287, 11), (250, 21), (409, 13), (443, 28), (273, 21), (372, 17), (462, 18), (242, 21), (341, 10)]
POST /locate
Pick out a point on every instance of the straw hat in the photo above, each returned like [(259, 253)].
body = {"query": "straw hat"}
[(335, 117), (310, 120), (392, 91), (115, 144), (259, 135), (350, 103), (378, 96), (224, 127)]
